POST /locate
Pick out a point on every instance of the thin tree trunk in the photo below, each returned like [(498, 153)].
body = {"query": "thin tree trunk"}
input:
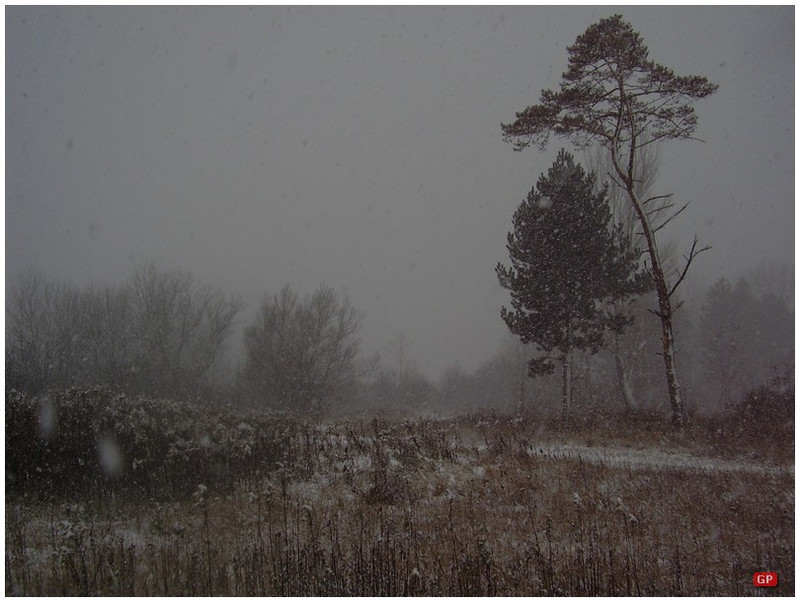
[(566, 379), (664, 313), (665, 309)]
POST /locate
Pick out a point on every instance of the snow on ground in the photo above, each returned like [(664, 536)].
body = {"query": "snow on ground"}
[(651, 458)]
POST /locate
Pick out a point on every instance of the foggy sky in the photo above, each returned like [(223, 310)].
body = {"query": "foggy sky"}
[(360, 147)]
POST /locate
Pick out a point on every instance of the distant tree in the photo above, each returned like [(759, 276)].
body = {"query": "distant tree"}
[(457, 391), (774, 336), (160, 334), (397, 383), (567, 260), (745, 342), (29, 332), (51, 339), (112, 357), (300, 355), (399, 366), (772, 277), (615, 95), (178, 331), (501, 382), (725, 331)]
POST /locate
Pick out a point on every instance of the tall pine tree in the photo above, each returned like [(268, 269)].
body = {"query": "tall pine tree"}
[(567, 260)]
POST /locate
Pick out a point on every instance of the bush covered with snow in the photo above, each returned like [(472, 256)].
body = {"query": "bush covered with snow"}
[(91, 441)]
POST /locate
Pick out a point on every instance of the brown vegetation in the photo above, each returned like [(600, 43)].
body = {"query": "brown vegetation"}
[(473, 506)]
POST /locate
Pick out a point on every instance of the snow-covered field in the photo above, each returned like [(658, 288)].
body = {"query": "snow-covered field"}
[(426, 507)]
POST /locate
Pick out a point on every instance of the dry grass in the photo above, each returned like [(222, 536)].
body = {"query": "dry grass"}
[(457, 508)]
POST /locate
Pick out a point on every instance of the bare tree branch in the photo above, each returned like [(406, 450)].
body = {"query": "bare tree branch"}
[(670, 218), (694, 252), (657, 197)]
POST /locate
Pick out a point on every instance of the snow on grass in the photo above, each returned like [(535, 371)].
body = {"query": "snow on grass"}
[(624, 457)]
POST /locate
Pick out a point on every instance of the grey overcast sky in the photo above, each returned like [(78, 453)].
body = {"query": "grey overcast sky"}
[(360, 147)]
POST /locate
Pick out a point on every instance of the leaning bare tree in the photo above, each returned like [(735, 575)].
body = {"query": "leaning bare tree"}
[(613, 94)]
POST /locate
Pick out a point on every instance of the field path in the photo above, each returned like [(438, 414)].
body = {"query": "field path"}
[(653, 458)]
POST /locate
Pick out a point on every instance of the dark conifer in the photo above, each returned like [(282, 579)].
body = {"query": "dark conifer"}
[(567, 260)]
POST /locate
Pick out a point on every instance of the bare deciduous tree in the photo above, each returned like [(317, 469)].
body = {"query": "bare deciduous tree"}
[(160, 334), (178, 331), (28, 332), (300, 355)]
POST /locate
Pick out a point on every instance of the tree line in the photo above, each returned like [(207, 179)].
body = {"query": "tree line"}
[(163, 335)]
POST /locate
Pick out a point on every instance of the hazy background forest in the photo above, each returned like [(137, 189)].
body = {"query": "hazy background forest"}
[(163, 334)]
